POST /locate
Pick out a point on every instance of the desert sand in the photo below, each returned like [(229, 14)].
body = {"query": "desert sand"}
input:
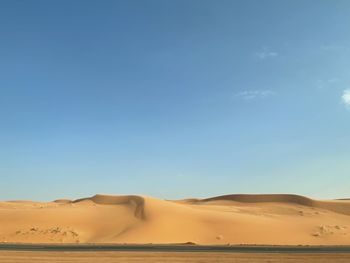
[(167, 257), (279, 219)]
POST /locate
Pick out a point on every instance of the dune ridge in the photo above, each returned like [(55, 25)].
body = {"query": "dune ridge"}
[(263, 198), (135, 201), (331, 205), (276, 219)]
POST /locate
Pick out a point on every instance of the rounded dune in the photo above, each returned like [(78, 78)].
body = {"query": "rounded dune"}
[(263, 198), (62, 201)]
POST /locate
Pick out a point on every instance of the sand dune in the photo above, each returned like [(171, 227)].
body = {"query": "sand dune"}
[(230, 219), (336, 206)]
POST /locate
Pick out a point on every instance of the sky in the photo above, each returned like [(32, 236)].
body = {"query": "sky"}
[(174, 98)]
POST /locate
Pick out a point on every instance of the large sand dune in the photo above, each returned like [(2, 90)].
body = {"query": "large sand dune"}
[(231, 219)]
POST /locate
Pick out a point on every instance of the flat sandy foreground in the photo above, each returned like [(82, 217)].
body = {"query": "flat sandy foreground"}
[(163, 257), (280, 219)]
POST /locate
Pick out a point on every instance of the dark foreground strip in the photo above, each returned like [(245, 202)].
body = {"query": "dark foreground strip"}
[(178, 248)]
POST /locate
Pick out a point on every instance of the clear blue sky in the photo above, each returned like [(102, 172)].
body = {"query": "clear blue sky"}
[(174, 98)]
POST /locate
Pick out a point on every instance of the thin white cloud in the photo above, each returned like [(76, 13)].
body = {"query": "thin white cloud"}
[(327, 83), (346, 97), (333, 80), (254, 94), (265, 54), (332, 47)]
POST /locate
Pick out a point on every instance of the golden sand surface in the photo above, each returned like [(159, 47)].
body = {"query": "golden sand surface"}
[(280, 219), (164, 257)]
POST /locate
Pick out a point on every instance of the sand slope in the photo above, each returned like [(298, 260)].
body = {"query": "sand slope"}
[(235, 219)]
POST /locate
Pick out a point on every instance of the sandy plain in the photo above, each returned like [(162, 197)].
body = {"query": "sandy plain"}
[(160, 257)]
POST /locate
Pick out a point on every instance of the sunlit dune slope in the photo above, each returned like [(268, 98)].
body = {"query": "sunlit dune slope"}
[(230, 219)]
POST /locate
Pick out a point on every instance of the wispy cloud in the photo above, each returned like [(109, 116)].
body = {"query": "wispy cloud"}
[(265, 54), (254, 94), (327, 83), (332, 47), (333, 80), (346, 97)]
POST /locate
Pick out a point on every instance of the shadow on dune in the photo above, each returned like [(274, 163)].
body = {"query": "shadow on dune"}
[(338, 206), (137, 202)]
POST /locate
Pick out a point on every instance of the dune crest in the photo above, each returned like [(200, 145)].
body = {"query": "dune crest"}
[(135, 201), (263, 198), (332, 205), (279, 219)]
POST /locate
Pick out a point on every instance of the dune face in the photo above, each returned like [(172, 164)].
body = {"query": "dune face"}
[(231, 219)]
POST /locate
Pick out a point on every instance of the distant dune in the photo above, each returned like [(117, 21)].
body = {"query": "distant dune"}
[(277, 219)]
